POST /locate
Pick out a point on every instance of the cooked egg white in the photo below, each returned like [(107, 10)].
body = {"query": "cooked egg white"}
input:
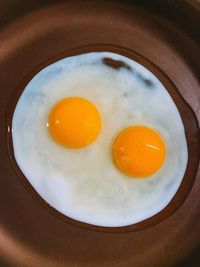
[(85, 183)]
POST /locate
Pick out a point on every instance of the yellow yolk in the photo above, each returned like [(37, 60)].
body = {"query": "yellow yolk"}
[(138, 151), (74, 122)]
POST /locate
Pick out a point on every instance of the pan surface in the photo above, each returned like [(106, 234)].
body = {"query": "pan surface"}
[(32, 235)]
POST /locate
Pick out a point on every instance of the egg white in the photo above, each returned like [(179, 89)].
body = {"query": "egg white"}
[(84, 184)]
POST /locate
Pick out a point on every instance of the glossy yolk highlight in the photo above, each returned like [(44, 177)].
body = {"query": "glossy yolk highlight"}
[(138, 151), (74, 122)]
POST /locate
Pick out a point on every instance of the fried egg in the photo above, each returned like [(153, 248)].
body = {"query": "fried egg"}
[(103, 145)]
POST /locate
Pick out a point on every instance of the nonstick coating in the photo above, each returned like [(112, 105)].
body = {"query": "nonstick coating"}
[(161, 36)]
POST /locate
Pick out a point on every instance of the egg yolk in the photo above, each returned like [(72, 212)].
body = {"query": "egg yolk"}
[(138, 151), (74, 122)]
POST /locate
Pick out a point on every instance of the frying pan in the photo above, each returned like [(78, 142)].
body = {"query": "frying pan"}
[(164, 36)]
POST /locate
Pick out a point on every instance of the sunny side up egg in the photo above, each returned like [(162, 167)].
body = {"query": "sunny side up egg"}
[(101, 145)]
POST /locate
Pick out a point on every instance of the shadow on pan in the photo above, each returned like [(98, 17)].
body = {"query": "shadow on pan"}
[(185, 13)]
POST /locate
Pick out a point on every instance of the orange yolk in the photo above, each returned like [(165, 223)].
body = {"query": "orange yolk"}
[(138, 151), (74, 122)]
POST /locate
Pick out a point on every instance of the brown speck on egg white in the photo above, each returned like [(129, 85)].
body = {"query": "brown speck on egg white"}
[(115, 64)]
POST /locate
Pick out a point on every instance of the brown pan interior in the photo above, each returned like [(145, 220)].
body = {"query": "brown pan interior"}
[(188, 117), (45, 236)]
